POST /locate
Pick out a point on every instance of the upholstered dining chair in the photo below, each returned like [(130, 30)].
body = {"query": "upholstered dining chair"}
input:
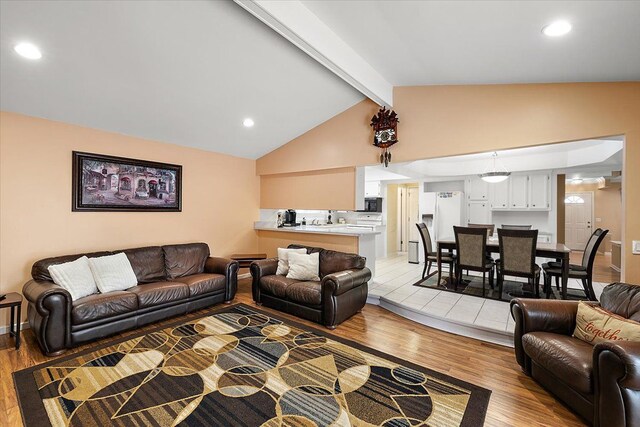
[(582, 272), (489, 227), (518, 257), (471, 249), (430, 256), (515, 227)]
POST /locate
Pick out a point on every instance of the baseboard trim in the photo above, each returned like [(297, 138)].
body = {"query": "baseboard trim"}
[(5, 329)]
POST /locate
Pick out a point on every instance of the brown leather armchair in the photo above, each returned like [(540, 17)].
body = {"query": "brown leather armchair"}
[(601, 383), (172, 280), (340, 293)]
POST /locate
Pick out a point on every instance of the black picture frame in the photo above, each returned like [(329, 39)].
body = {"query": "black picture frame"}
[(103, 183)]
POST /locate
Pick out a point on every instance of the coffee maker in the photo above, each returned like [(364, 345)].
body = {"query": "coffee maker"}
[(290, 218)]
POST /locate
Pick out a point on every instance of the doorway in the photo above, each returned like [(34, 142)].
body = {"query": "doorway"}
[(407, 216), (578, 219)]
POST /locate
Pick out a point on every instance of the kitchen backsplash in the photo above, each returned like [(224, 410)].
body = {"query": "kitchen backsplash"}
[(351, 217)]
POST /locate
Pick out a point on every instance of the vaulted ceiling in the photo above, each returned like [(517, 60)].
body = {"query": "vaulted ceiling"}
[(189, 72)]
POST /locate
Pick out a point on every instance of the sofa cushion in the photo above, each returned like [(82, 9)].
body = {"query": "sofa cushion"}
[(185, 260), (200, 284), (567, 358), (622, 299), (276, 285), (333, 262), (100, 306), (159, 293), (308, 293), (147, 263)]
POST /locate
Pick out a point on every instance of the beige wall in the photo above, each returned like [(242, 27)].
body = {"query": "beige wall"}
[(607, 205), (438, 121), (220, 198), (270, 241), (309, 190)]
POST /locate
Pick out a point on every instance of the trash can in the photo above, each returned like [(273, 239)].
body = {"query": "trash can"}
[(413, 252)]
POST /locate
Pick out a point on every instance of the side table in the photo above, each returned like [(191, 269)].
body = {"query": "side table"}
[(13, 300), (245, 260)]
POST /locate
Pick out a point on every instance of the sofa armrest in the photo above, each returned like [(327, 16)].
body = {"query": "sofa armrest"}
[(259, 269), (616, 371), (533, 315), (229, 269), (343, 281), (51, 318)]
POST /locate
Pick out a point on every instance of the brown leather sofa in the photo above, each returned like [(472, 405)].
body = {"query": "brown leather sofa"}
[(601, 383), (172, 280), (340, 293)]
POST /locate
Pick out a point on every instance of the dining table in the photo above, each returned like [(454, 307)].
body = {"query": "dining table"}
[(557, 251)]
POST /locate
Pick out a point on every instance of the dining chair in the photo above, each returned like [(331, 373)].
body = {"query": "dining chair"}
[(582, 272), (490, 228), (430, 256), (471, 251), (518, 257), (515, 227)]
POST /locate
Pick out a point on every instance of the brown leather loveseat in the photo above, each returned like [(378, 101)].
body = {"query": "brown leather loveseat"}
[(172, 280), (601, 383), (340, 293)]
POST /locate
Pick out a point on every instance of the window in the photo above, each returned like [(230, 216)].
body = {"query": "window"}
[(574, 200)]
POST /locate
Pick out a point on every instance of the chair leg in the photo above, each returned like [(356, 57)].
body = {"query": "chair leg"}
[(536, 281), (558, 282), (547, 284), (483, 280), (424, 270), (428, 269)]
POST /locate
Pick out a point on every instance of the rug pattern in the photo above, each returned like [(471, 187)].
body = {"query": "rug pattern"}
[(242, 367)]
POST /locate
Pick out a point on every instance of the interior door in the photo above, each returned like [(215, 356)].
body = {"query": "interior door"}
[(413, 213), (578, 219)]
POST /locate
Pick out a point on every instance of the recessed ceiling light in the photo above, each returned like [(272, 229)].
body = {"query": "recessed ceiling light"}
[(556, 29), (247, 123), (28, 50)]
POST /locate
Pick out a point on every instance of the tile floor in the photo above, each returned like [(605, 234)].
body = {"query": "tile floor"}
[(394, 283)]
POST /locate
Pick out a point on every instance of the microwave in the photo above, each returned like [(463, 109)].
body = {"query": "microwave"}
[(372, 204)]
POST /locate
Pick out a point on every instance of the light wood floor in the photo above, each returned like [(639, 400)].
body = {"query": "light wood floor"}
[(516, 399)]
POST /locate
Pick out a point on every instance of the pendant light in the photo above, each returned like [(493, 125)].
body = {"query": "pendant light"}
[(494, 175)]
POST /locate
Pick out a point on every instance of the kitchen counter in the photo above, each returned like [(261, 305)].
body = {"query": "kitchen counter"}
[(341, 229)]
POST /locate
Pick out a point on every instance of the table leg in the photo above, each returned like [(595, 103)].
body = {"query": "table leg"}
[(18, 326), (439, 264), (11, 321), (565, 275)]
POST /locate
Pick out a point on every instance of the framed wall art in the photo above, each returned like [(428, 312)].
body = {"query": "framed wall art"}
[(108, 183)]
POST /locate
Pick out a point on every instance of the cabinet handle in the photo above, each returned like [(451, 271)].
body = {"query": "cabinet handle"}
[(533, 206)]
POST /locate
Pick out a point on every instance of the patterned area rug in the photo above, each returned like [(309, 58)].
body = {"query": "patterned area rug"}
[(472, 285), (239, 366)]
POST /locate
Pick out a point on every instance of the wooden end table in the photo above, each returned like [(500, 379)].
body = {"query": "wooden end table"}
[(13, 300), (245, 260)]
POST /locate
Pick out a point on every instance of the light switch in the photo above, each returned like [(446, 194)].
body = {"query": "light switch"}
[(635, 247), (598, 219)]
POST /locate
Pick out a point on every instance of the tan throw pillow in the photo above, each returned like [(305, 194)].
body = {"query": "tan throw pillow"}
[(595, 325), (283, 259), (303, 266)]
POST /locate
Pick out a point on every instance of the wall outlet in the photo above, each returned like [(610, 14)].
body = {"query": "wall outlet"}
[(635, 247)]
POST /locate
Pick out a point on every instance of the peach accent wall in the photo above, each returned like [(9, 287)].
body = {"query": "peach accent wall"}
[(607, 205), (438, 121), (270, 241), (317, 190), (220, 198)]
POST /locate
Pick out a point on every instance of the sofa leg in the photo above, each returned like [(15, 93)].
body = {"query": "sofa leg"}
[(331, 327), (258, 303), (56, 353), (228, 302)]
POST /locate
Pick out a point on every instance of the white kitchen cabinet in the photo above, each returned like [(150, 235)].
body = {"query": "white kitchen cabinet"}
[(518, 192), (539, 189), (478, 212), (477, 189), (372, 189), (499, 195)]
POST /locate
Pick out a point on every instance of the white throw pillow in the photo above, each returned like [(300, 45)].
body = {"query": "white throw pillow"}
[(283, 259), (113, 272), (75, 277), (303, 266)]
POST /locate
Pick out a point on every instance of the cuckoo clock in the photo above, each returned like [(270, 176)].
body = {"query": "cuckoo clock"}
[(385, 132)]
